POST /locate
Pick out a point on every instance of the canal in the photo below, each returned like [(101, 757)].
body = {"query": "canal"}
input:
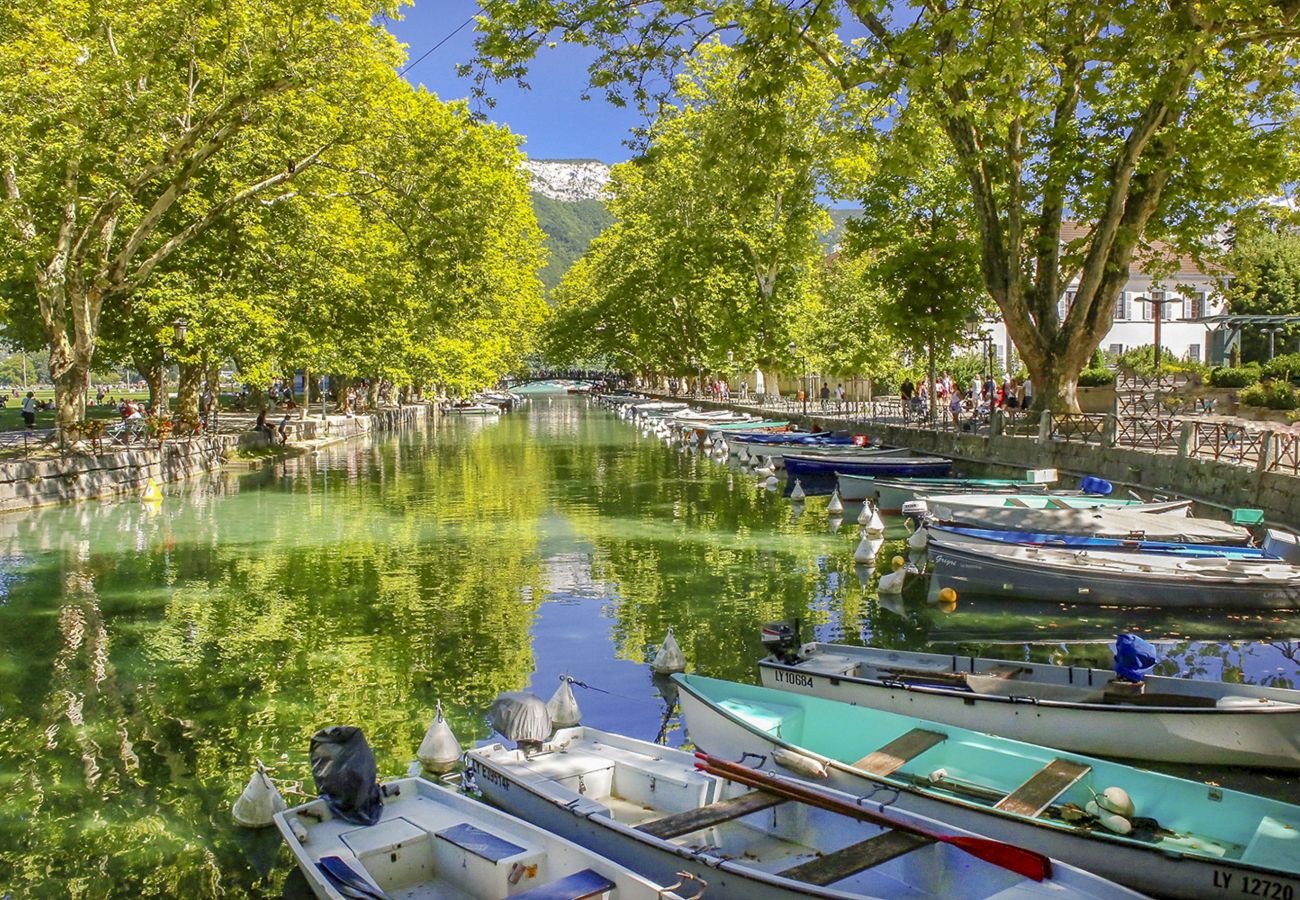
[(149, 656)]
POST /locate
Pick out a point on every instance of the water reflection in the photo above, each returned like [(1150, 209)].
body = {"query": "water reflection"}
[(147, 656)]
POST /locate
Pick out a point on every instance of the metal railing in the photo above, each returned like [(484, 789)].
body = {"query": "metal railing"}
[(1087, 428), (1147, 432), (1285, 455), (1224, 442)]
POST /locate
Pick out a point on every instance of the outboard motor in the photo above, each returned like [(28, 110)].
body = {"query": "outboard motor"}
[(781, 639), (914, 513)]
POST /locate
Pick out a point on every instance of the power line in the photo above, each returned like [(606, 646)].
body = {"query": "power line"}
[(455, 31)]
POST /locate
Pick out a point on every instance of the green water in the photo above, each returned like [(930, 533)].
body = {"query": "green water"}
[(147, 658)]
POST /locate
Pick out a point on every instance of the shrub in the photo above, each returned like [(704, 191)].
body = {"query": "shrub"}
[(1229, 377), (1286, 366), (1273, 395), (1096, 377)]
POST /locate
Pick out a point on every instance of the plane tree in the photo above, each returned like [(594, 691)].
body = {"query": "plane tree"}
[(1141, 121)]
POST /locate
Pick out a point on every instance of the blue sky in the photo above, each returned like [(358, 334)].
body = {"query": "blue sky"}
[(552, 117)]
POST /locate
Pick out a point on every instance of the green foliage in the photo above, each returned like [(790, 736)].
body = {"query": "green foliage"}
[(1141, 360), (1285, 366), (1265, 264), (1096, 377), (1127, 116), (1271, 395), (1234, 377), (570, 228), (714, 245)]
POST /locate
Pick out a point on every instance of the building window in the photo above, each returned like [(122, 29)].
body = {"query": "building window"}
[(1156, 306), (1116, 349), (1121, 304), (1194, 353), (1198, 305)]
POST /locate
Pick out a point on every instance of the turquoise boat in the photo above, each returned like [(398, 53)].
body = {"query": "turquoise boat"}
[(1164, 836), (889, 494)]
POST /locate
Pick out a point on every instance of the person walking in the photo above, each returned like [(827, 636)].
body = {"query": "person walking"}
[(29, 410), (839, 398), (284, 430), (825, 395)]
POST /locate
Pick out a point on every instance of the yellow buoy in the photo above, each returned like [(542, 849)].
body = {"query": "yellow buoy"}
[(947, 595), (898, 562), (152, 492)]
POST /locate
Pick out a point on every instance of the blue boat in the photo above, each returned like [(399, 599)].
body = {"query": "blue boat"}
[(797, 464), (1172, 548), (815, 439)]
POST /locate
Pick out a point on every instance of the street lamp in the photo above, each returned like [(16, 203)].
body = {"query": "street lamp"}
[(803, 390), (976, 331), (179, 329), (1272, 334), (731, 370)]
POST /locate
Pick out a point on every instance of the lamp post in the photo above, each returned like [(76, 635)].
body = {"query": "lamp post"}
[(179, 329), (1272, 334), (976, 331), (1157, 314), (731, 370), (803, 389)]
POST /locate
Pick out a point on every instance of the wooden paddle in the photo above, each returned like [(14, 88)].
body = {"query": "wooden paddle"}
[(1028, 863)]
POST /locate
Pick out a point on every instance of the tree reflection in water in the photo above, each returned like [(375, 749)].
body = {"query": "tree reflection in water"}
[(147, 657)]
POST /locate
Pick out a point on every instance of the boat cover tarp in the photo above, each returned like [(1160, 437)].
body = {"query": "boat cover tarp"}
[(343, 767), (1102, 522), (1088, 541), (521, 717), (1134, 657)]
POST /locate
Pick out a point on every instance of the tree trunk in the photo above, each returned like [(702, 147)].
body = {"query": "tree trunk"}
[(187, 389), (306, 393), (372, 394), (152, 370), (69, 395), (933, 399)]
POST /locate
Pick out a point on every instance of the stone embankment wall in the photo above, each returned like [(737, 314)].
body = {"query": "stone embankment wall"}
[(1218, 483), (29, 483)]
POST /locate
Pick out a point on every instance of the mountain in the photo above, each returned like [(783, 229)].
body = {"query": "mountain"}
[(568, 197), (570, 227), (569, 180)]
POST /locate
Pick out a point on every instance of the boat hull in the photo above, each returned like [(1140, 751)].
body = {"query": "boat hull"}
[(830, 467), (973, 572), (1152, 872), (1265, 738)]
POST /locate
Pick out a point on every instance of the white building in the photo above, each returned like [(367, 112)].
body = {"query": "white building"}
[(1182, 297)]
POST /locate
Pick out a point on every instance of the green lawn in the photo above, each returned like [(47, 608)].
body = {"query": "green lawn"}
[(11, 418)]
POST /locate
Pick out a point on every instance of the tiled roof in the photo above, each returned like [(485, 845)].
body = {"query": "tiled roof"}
[(1159, 250)]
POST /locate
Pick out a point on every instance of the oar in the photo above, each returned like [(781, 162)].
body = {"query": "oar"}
[(1028, 863)]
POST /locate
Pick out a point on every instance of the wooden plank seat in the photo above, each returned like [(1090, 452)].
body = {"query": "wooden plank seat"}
[(578, 886), (841, 864), (899, 751), (1044, 786), (942, 677), (691, 820)]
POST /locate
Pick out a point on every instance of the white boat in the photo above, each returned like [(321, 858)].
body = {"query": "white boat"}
[(472, 409), (1164, 836), (1151, 523), (652, 809), (1073, 708), (433, 843), (983, 568)]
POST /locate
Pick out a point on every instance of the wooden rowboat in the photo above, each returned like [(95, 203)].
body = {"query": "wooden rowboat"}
[(752, 835), (1175, 838), (431, 842), (979, 568), (1073, 708)]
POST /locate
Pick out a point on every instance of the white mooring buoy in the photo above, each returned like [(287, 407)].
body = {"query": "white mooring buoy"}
[(439, 751), (875, 525), (670, 658), (836, 506), (798, 493), (260, 801), (868, 550), (563, 706)]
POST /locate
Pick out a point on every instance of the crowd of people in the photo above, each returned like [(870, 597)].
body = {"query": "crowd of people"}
[(968, 405)]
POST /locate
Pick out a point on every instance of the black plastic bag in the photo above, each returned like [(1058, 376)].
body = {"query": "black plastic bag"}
[(343, 767)]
